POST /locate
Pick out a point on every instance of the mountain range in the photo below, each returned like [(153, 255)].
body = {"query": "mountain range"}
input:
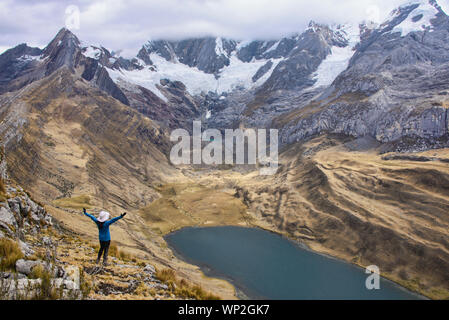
[(351, 102)]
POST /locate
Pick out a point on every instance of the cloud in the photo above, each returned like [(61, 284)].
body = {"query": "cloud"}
[(127, 24)]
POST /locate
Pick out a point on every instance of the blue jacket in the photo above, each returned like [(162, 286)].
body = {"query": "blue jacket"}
[(103, 229)]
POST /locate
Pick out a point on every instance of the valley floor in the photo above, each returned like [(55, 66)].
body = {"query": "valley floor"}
[(332, 194)]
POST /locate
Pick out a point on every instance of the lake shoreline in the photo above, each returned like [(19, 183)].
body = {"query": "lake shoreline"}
[(210, 272), (243, 292)]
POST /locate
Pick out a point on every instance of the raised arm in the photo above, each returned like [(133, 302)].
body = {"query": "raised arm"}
[(115, 219), (89, 215)]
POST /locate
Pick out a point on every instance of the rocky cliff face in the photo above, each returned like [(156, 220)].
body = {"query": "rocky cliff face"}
[(394, 85), (304, 54), (23, 65), (207, 54), (21, 218), (18, 61), (385, 81), (19, 214), (80, 122), (45, 261)]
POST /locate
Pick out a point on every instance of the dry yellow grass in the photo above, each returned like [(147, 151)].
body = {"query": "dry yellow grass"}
[(77, 202), (9, 253), (360, 208), (191, 204), (352, 205), (79, 145), (183, 288)]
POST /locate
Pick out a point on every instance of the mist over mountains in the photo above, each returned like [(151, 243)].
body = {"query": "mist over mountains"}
[(273, 83), (362, 114)]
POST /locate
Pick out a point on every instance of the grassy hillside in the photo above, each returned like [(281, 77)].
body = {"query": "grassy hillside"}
[(366, 210), (72, 146)]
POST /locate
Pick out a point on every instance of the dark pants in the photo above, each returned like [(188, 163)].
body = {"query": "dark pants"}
[(104, 248)]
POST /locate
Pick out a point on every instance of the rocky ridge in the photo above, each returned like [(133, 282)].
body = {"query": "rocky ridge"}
[(40, 259), (393, 90), (385, 81), (22, 219)]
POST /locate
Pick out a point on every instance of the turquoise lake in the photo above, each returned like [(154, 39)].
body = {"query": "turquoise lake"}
[(264, 265)]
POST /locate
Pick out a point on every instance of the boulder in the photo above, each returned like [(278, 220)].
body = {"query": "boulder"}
[(149, 269), (7, 217), (35, 217), (25, 247), (11, 190), (6, 229), (32, 205), (26, 266), (73, 275), (70, 285), (15, 204), (48, 220), (46, 241), (65, 284)]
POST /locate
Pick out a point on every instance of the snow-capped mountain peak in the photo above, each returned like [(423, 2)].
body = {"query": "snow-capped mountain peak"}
[(223, 65), (413, 16), (311, 59)]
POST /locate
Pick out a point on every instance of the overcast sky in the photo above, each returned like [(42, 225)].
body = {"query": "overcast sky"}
[(127, 24)]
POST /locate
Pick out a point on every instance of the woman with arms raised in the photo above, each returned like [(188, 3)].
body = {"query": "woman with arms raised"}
[(104, 235)]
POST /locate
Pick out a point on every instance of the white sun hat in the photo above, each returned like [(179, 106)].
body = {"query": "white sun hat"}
[(103, 216)]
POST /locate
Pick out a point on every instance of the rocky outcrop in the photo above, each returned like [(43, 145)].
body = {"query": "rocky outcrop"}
[(26, 266), (63, 50), (176, 111), (308, 50), (14, 288), (394, 87), (18, 212), (15, 63), (364, 119), (262, 71), (45, 270), (20, 216), (98, 75), (7, 217), (207, 54), (23, 65)]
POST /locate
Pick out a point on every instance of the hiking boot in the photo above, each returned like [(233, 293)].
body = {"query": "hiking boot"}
[(97, 261), (105, 262)]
